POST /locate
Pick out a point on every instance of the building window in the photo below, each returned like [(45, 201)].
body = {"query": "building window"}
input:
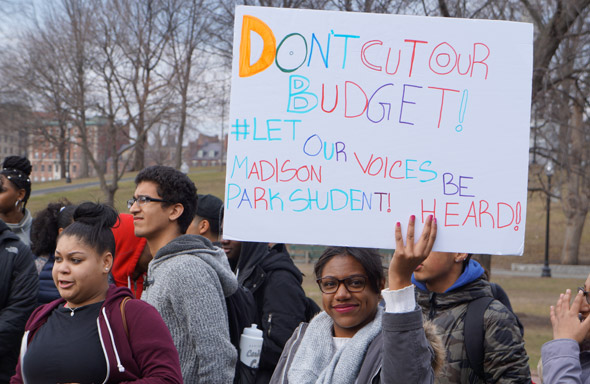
[(49, 167), (74, 167), (42, 167)]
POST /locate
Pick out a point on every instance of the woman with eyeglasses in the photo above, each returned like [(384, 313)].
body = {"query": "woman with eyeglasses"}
[(96, 332), (355, 340), (566, 358)]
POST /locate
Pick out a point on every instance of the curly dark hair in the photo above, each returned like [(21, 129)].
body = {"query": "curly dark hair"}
[(174, 187), (46, 225), (92, 225), (17, 169), (369, 258)]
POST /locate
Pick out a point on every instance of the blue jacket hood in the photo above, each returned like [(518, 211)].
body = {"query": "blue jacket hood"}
[(472, 272)]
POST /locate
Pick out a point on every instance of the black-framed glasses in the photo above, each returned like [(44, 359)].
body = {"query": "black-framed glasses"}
[(585, 294), (355, 283), (143, 200)]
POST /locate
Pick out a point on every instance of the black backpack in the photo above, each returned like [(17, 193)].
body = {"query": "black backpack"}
[(241, 313), (474, 332)]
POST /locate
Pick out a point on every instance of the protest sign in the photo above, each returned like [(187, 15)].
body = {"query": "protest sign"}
[(343, 124)]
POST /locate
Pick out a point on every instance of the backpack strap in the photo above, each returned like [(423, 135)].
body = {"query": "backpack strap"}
[(474, 333), (123, 302)]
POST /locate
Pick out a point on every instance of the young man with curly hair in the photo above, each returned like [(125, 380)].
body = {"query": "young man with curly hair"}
[(188, 278)]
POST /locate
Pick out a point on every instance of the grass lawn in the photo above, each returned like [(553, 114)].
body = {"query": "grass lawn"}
[(530, 297)]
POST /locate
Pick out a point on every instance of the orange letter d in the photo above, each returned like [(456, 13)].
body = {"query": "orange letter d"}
[(251, 23)]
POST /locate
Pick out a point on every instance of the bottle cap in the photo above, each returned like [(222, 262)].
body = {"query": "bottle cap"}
[(253, 331)]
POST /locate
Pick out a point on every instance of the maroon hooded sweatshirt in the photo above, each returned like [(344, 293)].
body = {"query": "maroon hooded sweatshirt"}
[(147, 355)]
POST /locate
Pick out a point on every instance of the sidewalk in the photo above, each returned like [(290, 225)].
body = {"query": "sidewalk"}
[(558, 271)]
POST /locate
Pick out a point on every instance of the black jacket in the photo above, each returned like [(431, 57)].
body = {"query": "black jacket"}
[(275, 282), (19, 285)]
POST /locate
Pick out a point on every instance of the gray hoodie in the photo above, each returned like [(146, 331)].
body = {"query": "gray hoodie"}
[(188, 281), (23, 228)]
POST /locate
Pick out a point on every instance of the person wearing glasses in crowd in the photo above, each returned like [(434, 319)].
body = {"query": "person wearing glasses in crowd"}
[(96, 332), (188, 278), (566, 358), (354, 340)]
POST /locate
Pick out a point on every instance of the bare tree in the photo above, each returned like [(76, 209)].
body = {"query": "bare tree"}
[(142, 80), (562, 107), (37, 68), (187, 19)]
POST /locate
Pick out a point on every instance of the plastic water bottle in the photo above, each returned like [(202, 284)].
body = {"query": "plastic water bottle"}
[(251, 346)]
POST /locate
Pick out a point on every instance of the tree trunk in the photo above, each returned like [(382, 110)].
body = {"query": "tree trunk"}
[(139, 159), (573, 235), (62, 164), (485, 261), (84, 165)]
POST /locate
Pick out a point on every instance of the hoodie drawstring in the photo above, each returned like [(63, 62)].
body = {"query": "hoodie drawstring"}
[(119, 365)]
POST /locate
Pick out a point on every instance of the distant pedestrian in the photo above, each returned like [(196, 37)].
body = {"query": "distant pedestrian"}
[(566, 359), (96, 332), (15, 189), (188, 278), (47, 226)]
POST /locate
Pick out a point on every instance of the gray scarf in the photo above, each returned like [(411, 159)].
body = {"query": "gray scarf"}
[(317, 362)]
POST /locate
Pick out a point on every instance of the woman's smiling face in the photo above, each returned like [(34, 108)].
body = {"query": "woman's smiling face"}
[(350, 311)]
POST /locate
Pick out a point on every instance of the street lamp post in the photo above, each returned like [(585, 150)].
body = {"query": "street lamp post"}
[(549, 172)]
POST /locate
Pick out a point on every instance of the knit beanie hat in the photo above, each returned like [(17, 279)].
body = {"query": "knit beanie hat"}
[(209, 206)]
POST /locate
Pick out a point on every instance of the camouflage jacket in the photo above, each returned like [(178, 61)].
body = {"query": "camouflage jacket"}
[(505, 359)]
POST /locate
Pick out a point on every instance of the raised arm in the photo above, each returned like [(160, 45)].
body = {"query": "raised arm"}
[(561, 356), (407, 352)]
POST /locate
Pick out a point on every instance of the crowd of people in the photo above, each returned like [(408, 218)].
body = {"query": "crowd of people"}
[(89, 295)]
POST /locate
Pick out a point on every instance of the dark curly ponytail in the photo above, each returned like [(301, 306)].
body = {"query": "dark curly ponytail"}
[(46, 225), (92, 225)]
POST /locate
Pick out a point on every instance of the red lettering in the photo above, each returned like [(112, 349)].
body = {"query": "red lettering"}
[(366, 46), (447, 214), (335, 102), (261, 198), (414, 52), (365, 169), (444, 54), (471, 213), (254, 171), (459, 65), (433, 212), (442, 101), (511, 219), (346, 83), (262, 162), (399, 55), (485, 211), (283, 170), (373, 163), (391, 169), (475, 61), (317, 175)]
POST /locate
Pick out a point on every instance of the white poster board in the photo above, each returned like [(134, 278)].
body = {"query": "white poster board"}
[(343, 124)]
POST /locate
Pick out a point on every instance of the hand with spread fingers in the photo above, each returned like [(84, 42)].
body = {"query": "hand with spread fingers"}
[(565, 321), (407, 257)]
